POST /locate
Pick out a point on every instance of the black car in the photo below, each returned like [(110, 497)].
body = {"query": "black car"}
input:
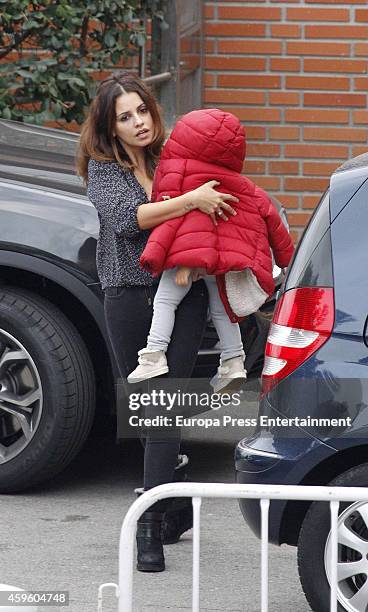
[(315, 380), (56, 364)]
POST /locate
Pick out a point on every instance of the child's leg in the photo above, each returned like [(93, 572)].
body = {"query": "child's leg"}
[(167, 299), (231, 373), (228, 332)]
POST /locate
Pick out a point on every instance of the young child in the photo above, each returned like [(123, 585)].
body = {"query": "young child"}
[(232, 254)]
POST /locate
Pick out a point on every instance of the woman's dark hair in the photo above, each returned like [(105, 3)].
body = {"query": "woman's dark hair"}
[(97, 140)]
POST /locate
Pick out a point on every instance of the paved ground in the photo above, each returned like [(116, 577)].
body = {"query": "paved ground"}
[(65, 536)]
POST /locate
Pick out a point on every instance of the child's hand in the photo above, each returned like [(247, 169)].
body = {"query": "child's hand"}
[(182, 276)]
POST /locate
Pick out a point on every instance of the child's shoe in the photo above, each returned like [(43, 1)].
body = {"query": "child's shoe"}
[(230, 375), (151, 364)]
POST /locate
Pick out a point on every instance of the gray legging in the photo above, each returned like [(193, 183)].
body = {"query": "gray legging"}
[(168, 297)]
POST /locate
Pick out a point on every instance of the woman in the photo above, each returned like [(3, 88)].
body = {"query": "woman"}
[(120, 146)]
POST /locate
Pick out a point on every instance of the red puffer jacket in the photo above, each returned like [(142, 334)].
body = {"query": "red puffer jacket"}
[(210, 144)]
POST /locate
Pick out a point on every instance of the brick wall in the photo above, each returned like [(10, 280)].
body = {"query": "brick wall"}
[(295, 73)]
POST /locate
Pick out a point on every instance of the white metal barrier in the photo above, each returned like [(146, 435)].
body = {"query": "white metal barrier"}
[(333, 495)]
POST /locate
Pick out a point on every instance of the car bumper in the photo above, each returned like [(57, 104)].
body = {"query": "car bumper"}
[(276, 456)]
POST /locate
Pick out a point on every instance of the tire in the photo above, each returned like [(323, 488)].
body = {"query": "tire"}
[(314, 539), (47, 390)]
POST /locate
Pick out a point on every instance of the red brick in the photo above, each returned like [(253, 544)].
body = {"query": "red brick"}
[(256, 64), (315, 151), (295, 235), (317, 83), (288, 200), (361, 84), (260, 47), (285, 30), (284, 167), (234, 96), (288, 98), (360, 117), (255, 132), (219, 62), (248, 80), (310, 201), (284, 133), (209, 79), (319, 168), (250, 13), (209, 45), (209, 11), (359, 150), (317, 14), (302, 115), (321, 49), (13, 55), (334, 99), (32, 106), (266, 182), (70, 127), (361, 15), (361, 49), (100, 75), (305, 184), (298, 219), (336, 2), (252, 114), (232, 1), (254, 166), (263, 150), (333, 65), (285, 64), (335, 134), (336, 31), (234, 29)]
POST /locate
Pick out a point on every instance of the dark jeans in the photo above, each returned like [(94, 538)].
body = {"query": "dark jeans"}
[(128, 313)]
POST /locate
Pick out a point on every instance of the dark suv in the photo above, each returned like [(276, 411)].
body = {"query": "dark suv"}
[(57, 370), (313, 415)]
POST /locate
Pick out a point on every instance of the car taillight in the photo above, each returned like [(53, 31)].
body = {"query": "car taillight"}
[(302, 323)]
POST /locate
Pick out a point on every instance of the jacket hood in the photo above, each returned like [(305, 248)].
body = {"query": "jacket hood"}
[(208, 135)]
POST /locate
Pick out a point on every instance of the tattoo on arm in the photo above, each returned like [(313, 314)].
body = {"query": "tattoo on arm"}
[(189, 206)]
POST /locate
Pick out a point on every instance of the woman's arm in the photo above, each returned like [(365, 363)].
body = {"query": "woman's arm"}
[(113, 197), (205, 198)]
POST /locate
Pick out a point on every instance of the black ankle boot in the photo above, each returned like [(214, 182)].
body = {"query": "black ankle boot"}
[(149, 543), (178, 519)]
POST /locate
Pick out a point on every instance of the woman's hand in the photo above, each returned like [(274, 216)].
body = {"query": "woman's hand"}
[(212, 202)]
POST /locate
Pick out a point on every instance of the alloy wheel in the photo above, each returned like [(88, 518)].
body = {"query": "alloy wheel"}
[(21, 397), (352, 567)]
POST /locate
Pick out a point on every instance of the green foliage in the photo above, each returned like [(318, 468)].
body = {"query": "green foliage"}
[(49, 48)]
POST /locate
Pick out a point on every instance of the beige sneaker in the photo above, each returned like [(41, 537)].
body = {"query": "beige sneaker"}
[(151, 364), (230, 375)]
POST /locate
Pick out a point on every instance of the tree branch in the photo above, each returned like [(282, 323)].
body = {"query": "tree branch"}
[(83, 40)]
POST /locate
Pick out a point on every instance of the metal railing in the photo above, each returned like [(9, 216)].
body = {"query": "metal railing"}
[(333, 495)]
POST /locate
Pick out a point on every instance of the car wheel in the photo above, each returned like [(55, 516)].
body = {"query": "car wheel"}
[(314, 550), (47, 390)]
